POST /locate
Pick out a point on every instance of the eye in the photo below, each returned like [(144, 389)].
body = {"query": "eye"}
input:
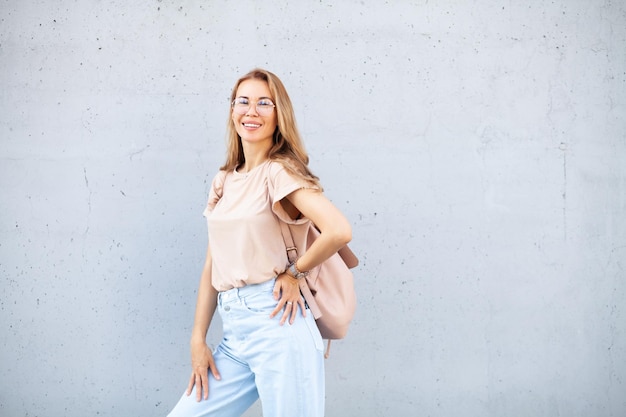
[(241, 101), (265, 103)]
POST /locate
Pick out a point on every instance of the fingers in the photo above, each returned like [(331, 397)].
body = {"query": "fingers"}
[(274, 312), (201, 381), (291, 309), (192, 382), (302, 306), (201, 387), (202, 361), (201, 384), (204, 376), (287, 293), (214, 370)]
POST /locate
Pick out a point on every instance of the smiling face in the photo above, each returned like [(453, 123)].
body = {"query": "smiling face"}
[(251, 126)]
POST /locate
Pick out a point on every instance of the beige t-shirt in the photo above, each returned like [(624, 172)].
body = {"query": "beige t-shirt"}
[(245, 240)]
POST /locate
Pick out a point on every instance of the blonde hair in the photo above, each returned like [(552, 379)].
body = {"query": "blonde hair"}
[(287, 147)]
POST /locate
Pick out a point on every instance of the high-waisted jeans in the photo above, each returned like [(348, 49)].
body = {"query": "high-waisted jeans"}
[(259, 358)]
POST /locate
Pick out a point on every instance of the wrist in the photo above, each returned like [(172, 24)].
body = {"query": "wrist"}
[(197, 340), (293, 271)]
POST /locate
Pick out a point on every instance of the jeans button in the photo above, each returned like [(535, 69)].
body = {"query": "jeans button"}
[(227, 308)]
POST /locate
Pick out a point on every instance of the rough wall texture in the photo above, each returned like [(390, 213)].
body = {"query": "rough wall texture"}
[(478, 147)]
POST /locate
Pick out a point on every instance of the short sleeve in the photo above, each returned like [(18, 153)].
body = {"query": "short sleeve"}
[(217, 188), (281, 183)]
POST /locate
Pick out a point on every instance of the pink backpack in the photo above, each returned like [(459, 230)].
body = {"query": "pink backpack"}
[(329, 287)]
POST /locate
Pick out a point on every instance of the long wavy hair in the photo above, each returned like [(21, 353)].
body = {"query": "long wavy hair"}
[(287, 147)]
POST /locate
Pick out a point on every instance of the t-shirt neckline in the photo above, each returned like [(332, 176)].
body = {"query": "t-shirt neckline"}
[(251, 172)]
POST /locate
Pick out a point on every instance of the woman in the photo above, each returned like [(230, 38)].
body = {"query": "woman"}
[(271, 347)]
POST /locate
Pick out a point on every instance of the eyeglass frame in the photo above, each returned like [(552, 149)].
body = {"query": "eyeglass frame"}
[(256, 105)]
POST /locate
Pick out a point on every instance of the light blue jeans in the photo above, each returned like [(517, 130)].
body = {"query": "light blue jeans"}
[(258, 358)]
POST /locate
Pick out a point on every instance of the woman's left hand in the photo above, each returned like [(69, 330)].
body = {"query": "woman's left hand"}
[(287, 293)]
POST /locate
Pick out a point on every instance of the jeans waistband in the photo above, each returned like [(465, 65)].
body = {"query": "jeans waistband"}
[(242, 292)]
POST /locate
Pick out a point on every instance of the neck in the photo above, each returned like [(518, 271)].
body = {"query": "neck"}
[(255, 155)]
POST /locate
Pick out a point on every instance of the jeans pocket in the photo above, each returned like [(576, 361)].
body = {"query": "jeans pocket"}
[(260, 303)]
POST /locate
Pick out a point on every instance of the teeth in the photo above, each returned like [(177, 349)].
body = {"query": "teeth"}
[(250, 125)]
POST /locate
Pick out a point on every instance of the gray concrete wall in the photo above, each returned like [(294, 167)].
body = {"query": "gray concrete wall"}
[(479, 149)]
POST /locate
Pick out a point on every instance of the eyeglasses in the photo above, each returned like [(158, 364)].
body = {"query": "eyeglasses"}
[(264, 107)]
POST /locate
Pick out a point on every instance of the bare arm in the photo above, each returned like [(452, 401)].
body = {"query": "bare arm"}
[(335, 229), (201, 355)]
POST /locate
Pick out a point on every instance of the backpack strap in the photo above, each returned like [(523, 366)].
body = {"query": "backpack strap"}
[(292, 250)]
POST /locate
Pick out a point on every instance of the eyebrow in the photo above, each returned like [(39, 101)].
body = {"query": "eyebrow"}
[(260, 98)]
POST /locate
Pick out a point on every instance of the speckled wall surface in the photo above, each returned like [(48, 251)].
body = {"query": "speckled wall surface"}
[(479, 149)]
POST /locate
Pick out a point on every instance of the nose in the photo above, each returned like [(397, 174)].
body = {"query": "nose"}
[(252, 109)]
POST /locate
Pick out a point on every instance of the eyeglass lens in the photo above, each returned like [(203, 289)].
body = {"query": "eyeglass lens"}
[(264, 107)]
